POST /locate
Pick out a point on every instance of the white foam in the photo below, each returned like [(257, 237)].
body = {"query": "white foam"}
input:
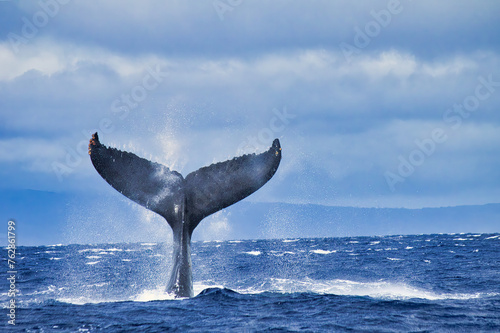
[(290, 240), (374, 242), (379, 289), (148, 244), (394, 259), (93, 257), (408, 247), (92, 262), (253, 253), (102, 284), (493, 237), (158, 294), (323, 251), (147, 295), (281, 254), (81, 300), (91, 250)]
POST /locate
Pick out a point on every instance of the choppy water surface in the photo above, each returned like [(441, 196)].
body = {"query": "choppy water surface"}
[(394, 283)]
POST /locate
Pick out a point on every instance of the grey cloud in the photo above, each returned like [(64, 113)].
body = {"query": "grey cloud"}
[(425, 28), (224, 78)]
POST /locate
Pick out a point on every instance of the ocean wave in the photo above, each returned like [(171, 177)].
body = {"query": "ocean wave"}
[(253, 253), (493, 237), (379, 290), (323, 251), (384, 290), (91, 250)]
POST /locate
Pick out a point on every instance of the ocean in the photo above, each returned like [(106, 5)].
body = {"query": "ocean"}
[(420, 283)]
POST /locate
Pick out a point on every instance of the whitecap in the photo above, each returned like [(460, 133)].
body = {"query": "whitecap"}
[(93, 257), (280, 254), (158, 294), (92, 262), (322, 251), (394, 259), (378, 289), (98, 285), (91, 250), (408, 247), (289, 240), (374, 242), (253, 253), (493, 237)]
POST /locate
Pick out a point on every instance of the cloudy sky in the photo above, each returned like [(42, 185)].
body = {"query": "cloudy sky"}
[(376, 103)]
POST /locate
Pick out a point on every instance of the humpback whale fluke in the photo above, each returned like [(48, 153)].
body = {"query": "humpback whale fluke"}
[(183, 202)]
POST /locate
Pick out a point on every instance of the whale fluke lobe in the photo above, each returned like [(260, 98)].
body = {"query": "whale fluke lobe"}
[(149, 184), (183, 202), (220, 185)]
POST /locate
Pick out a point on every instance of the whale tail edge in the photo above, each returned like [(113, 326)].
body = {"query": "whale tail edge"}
[(190, 199)]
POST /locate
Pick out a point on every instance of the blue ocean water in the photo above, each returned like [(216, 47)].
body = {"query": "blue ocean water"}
[(448, 283)]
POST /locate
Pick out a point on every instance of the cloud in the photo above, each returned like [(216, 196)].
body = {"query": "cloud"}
[(33, 155), (221, 81)]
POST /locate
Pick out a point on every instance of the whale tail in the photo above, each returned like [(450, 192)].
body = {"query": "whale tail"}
[(184, 200)]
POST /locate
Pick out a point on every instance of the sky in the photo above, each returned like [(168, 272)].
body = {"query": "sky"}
[(376, 103)]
